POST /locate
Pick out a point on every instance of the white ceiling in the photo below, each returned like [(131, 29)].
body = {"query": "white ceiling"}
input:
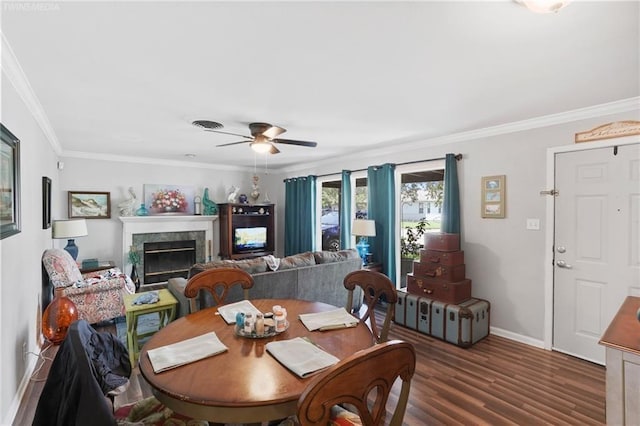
[(128, 78)]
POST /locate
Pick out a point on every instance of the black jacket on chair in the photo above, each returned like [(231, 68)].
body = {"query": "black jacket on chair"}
[(86, 368)]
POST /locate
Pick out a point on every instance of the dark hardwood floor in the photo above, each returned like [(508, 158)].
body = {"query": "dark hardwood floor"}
[(497, 381)]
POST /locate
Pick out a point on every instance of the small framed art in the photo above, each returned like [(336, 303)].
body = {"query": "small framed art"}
[(494, 196), (89, 205), (46, 202)]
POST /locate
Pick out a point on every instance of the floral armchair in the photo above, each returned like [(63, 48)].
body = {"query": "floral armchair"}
[(97, 295)]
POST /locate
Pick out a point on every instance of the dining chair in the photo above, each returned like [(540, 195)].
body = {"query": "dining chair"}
[(363, 383), (217, 282), (374, 286)]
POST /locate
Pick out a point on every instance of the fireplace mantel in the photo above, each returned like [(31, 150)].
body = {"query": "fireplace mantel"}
[(166, 223)]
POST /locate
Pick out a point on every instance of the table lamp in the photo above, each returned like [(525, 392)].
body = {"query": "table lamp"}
[(363, 228), (70, 229)]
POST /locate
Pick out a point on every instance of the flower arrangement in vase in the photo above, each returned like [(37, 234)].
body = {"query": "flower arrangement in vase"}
[(168, 201)]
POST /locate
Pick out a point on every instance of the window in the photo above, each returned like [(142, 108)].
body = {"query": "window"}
[(330, 203), (330, 215), (418, 190)]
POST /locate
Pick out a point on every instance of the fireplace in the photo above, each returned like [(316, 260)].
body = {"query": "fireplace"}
[(142, 232), (168, 259)]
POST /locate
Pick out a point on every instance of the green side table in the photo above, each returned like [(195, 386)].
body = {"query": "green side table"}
[(166, 309)]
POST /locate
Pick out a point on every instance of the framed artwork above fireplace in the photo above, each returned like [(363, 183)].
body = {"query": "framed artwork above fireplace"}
[(169, 199)]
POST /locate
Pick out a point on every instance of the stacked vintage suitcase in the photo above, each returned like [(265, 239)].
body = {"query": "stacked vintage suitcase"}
[(437, 300)]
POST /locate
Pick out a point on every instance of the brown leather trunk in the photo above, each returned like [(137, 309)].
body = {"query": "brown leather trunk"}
[(434, 270), (442, 241), (438, 289), (448, 258)]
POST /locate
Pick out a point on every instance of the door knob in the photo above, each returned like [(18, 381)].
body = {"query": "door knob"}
[(563, 264)]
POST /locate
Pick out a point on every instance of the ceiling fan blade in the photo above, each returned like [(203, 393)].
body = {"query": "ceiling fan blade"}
[(274, 150), (233, 143), (295, 142), (273, 132), (227, 133)]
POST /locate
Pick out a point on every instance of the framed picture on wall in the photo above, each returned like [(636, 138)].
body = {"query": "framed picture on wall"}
[(9, 183), (46, 202), (494, 196), (89, 205)]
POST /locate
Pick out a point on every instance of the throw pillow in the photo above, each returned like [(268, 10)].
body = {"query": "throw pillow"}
[(297, 260), (272, 262), (62, 269), (252, 266)]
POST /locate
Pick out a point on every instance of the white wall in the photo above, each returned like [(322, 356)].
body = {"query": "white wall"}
[(504, 260), (20, 254), (105, 235)]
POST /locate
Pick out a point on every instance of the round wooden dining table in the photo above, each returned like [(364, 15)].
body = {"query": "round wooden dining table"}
[(244, 384)]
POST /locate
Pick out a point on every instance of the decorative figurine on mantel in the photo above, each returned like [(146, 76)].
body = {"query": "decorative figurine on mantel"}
[(126, 207), (233, 193), (210, 208), (255, 192)]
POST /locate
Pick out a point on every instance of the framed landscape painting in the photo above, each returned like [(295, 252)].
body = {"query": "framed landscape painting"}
[(89, 205), (9, 183)]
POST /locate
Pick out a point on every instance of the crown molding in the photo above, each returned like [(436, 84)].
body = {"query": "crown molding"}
[(14, 72), (149, 160), (420, 141)]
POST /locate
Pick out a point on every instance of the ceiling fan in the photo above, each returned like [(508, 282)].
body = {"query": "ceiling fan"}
[(262, 139)]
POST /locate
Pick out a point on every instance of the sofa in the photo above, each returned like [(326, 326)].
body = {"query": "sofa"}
[(97, 295), (316, 276)]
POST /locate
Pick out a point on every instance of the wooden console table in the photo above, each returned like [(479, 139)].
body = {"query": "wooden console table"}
[(622, 342)]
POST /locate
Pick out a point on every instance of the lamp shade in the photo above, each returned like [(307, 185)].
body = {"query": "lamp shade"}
[(70, 228), (364, 228)]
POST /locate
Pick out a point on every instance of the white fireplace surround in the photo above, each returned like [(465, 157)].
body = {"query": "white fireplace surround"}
[(167, 223)]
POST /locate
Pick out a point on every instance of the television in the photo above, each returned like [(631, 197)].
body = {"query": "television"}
[(249, 239)]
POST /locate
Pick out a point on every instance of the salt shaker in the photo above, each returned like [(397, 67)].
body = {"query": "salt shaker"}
[(259, 325), (280, 321), (248, 323)]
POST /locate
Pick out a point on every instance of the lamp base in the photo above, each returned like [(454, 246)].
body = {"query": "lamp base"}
[(363, 250), (72, 248)]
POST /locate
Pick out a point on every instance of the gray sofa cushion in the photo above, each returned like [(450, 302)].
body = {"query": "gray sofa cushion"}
[(335, 256), (297, 261)]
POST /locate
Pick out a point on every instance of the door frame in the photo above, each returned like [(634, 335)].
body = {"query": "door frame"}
[(550, 214)]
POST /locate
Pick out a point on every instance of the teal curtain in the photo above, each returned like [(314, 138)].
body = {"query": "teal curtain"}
[(382, 197), (299, 215), (346, 215), (451, 203)]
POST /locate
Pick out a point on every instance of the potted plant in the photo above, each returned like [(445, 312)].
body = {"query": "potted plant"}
[(410, 246)]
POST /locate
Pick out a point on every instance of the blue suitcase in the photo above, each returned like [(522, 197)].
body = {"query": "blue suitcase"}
[(462, 324)]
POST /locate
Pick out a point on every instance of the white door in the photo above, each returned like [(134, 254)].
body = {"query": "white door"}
[(596, 243)]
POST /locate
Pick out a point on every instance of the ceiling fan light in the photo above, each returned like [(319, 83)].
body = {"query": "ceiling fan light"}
[(545, 6), (261, 147)]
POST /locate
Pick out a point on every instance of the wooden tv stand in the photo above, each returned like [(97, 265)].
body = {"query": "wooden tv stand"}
[(238, 215)]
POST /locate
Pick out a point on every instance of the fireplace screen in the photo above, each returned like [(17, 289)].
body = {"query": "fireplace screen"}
[(168, 259)]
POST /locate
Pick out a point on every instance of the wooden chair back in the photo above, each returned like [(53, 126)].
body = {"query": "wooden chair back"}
[(217, 281), (363, 382), (374, 285)]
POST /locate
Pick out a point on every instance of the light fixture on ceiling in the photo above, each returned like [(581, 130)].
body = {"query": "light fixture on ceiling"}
[(544, 6), (261, 144)]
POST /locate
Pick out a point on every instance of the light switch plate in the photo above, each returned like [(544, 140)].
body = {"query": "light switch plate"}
[(533, 224)]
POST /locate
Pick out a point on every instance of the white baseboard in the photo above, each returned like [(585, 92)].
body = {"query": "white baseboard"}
[(517, 337), (22, 388)]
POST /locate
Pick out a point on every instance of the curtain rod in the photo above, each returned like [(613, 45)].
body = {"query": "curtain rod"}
[(458, 157)]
